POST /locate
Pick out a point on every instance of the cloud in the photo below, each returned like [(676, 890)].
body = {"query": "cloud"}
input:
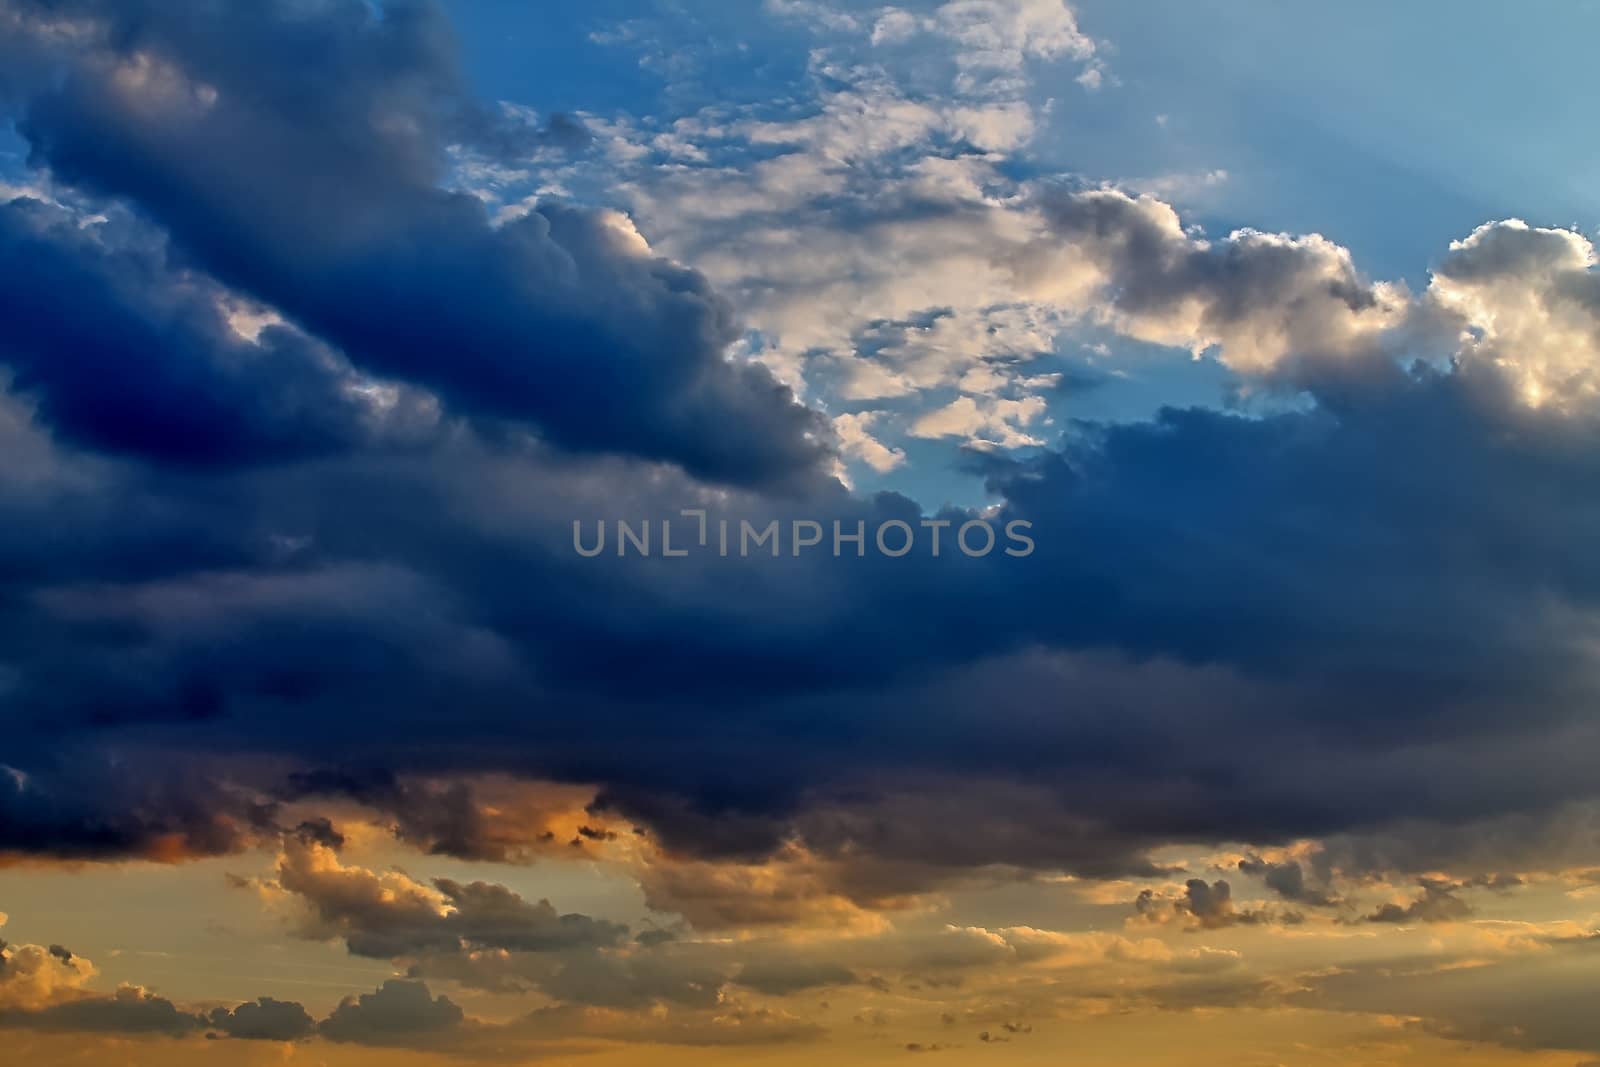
[(1374, 587), (983, 422), (126, 355), (992, 40), (399, 1014), (390, 915), (1437, 904), (264, 1019), (81, 806), (46, 989), (775, 979), (130, 1010), (1528, 1001), (32, 977), (1203, 905), (492, 819), (337, 217), (1274, 304), (1288, 880), (856, 441), (1527, 302), (792, 889)]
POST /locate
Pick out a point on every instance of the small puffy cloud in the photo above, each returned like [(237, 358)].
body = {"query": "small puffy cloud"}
[(1437, 903), (399, 1014), (264, 1019), (1287, 878), (1276, 304), (994, 39), (1526, 301), (856, 441), (984, 421), (1201, 905), (390, 915), (979, 350), (33, 977)]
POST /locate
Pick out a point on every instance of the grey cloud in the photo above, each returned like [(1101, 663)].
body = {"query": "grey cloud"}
[(376, 917), (1528, 1001), (1288, 880), (781, 978), (1437, 903), (264, 1019), (1290, 307), (399, 1014), (128, 1011)]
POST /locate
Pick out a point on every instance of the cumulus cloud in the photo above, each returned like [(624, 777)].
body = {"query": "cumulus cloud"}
[(856, 440), (48, 989), (1265, 300), (1287, 878), (399, 1013), (997, 422), (1203, 905), (390, 915), (33, 977), (264, 1019), (337, 216), (1527, 302)]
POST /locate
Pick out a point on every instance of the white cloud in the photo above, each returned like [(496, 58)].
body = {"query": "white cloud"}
[(999, 36), (983, 422), (856, 440), (1526, 301)]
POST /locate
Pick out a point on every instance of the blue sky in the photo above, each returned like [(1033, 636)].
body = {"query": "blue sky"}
[(1362, 123), (1361, 120)]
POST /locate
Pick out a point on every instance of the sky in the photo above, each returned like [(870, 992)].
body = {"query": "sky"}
[(680, 531)]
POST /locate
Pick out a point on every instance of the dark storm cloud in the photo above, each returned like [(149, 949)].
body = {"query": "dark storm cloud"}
[(125, 355), (1205, 578), (297, 153), (443, 820), (86, 807), (1234, 628)]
